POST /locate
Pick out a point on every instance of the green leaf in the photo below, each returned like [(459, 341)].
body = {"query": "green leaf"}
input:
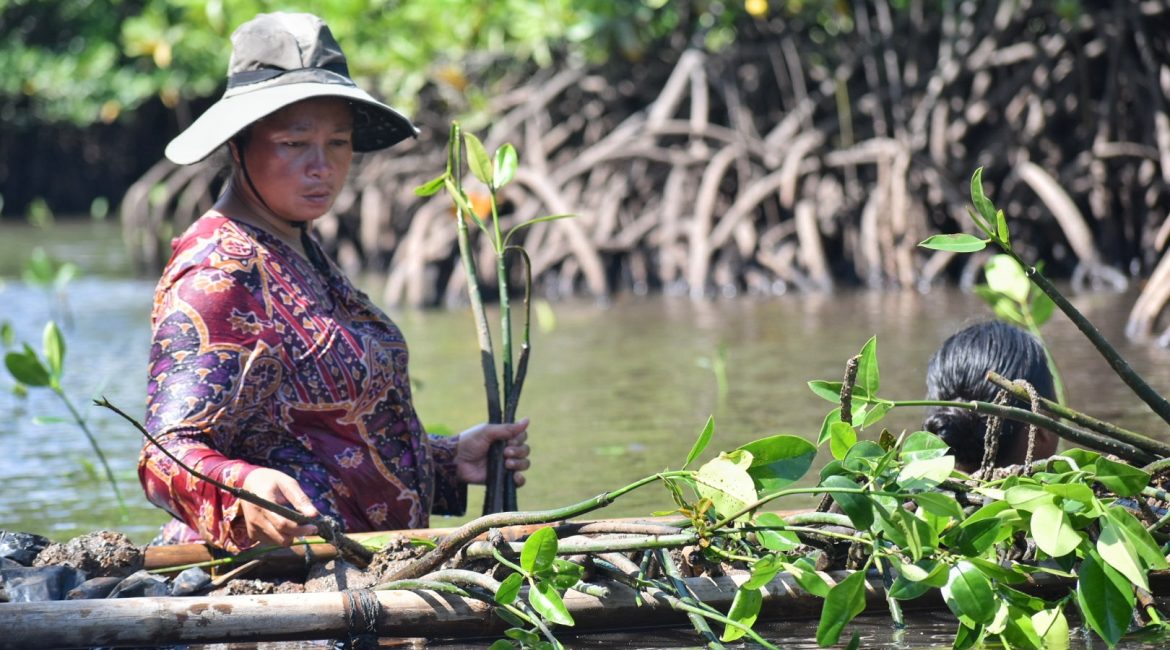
[(547, 602), (1006, 276), (875, 413), (1120, 553), (1052, 627), (539, 550), (26, 367), (1121, 479), (1106, 599), (923, 445), (702, 442), (745, 607), (868, 377), (430, 187), (1053, 531), (533, 222), (858, 507), (831, 418), (830, 391), (1137, 534), (843, 603), (778, 461), (564, 574), (778, 540), (1042, 308), (461, 201), (926, 474), (939, 505), (1029, 497), (807, 577), (509, 589), (501, 644), (931, 572), (1002, 227), (1072, 491), (968, 594), (905, 589), (984, 205), (506, 163), (478, 160), (7, 335), (957, 243), (996, 571), (763, 571), (54, 346), (842, 436), (44, 420), (725, 481), (524, 636)]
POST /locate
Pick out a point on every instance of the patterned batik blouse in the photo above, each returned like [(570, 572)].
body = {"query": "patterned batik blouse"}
[(259, 360)]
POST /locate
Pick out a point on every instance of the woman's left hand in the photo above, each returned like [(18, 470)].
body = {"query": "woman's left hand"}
[(472, 450)]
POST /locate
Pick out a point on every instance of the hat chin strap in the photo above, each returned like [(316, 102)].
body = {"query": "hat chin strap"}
[(312, 251)]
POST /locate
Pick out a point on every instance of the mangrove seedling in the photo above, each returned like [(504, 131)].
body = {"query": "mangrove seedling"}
[(30, 370), (503, 390)]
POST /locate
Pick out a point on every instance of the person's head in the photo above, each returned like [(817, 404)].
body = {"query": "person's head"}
[(291, 117), (958, 372)]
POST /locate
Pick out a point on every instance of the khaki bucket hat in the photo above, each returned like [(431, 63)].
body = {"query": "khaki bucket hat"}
[(280, 59)]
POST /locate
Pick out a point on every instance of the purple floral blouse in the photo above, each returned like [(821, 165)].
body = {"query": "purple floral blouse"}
[(258, 360)]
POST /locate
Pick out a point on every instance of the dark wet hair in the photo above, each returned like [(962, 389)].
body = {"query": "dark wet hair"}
[(957, 372)]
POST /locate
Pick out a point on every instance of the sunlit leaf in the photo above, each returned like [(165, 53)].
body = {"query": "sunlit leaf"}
[(778, 461), (726, 482), (956, 243), (509, 589), (547, 602), (745, 607), (54, 346), (1052, 530), (1120, 553), (868, 377), (1042, 308), (807, 577), (984, 205), (927, 473), (923, 445), (968, 594), (532, 222), (843, 603), (831, 418), (430, 187), (1029, 497), (1006, 276), (505, 165), (1123, 480), (939, 505), (478, 160), (539, 550), (842, 437), (702, 441), (1137, 534), (1052, 627)]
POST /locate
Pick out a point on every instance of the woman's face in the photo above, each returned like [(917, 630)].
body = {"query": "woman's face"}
[(299, 157)]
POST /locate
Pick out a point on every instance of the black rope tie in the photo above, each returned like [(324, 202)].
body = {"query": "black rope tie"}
[(361, 619), (312, 251)]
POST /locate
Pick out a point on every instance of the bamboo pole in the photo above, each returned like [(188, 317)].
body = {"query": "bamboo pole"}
[(287, 617)]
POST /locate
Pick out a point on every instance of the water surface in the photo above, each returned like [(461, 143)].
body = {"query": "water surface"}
[(614, 392)]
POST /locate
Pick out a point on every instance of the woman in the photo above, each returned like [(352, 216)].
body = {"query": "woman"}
[(269, 371), (958, 371)]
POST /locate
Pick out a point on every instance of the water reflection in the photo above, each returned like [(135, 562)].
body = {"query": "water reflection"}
[(615, 393)]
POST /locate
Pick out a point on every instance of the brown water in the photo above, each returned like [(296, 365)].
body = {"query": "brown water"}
[(615, 392)]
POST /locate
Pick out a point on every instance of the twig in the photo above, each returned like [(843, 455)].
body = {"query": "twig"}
[(327, 527), (699, 623), (1138, 440)]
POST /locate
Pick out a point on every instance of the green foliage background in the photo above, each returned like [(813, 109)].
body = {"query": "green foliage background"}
[(88, 61)]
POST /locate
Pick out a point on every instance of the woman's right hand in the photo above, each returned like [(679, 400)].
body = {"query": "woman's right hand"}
[(268, 527)]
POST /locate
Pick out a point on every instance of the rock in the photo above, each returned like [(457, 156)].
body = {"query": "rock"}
[(189, 582), (22, 547), (36, 584), (142, 584), (100, 554), (93, 588)]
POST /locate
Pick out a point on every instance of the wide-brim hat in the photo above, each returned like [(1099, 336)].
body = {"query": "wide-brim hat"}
[(279, 59)]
